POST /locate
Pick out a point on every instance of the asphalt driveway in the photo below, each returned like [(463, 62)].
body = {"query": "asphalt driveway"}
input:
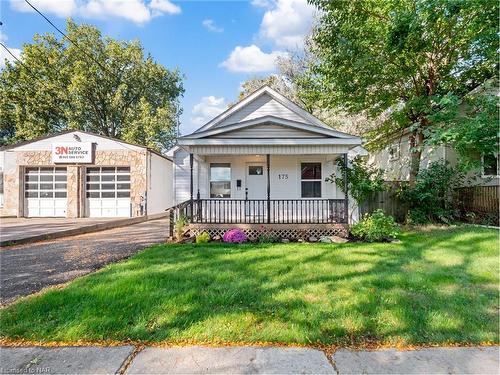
[(26, 269)]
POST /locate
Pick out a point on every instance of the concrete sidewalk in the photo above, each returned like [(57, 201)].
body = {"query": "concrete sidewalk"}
[(245, 360)]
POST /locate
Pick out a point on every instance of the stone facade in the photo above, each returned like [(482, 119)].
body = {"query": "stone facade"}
[(14, 171)]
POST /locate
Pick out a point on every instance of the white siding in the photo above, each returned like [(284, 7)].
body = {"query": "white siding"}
[(280, 164), (264, 105), (269, 131), (160, 184), (182, 175), (399, 169)]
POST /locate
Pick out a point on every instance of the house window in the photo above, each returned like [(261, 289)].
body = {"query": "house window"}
[(490, 165), (220, 180), (256, 170), (310, 180), (394, 152)]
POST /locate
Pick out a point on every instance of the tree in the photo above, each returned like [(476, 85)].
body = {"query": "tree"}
[(363, 180), (470, 124), (396, 59), (293, 81), (95, 84)]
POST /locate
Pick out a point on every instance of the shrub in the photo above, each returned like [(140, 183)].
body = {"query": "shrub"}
[(203, 238), (431, 197), (363, 179), (234, 236), (179, 225), (268, 238), (375, 227)]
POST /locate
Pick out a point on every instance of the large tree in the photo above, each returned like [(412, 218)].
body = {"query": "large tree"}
[(397, 59), (92, 83)]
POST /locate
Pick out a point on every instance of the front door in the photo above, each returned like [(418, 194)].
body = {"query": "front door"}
[(256, 181)]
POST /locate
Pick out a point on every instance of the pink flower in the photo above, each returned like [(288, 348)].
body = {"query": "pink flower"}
[(234, 236)]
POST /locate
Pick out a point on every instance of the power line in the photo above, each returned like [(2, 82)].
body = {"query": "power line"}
[(71, 41)]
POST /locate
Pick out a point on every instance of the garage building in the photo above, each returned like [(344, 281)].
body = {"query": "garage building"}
[(79, 174)]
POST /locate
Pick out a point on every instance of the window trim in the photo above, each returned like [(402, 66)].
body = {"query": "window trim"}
[(210, 180), (483, 175), (320, 180)]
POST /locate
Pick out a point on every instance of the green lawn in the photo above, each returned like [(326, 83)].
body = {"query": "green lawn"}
[(437, 286)]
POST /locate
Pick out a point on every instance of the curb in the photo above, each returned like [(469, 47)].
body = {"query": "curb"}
[(84, 230)]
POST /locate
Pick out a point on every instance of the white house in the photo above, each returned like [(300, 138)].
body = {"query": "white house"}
[(394, 159), (79, 174), (263, 162)]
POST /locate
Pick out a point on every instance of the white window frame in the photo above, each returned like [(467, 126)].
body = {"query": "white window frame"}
[(320, 180), (483, 175), (210, 179)]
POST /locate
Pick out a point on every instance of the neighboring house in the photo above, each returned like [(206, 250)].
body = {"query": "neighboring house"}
[(263, 162), (394, 159), (78, 174)]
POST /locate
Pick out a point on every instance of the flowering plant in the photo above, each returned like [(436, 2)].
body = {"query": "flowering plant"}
[(234, 236)]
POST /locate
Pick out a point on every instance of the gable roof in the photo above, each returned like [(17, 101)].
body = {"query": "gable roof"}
[(285, 123), (274, 95), (265, 105)]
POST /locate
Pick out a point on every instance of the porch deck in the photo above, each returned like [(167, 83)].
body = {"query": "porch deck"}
[(277, 216)]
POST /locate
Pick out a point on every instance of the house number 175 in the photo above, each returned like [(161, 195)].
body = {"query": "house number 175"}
[(283, 176)]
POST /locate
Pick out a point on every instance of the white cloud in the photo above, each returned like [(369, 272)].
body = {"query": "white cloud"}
[(211, 26), (137, 11), (164, 6), (61, 8), (207, 109), (3, 37), (261, 3), (133, 10), (4, 55), (251, 59), (287, 23)]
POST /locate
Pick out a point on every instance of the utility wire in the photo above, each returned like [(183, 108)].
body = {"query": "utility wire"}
[(72, 41)]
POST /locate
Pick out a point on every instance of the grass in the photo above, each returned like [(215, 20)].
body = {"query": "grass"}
[(438, 286)]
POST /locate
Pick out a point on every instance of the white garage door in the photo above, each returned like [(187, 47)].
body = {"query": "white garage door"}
[(45, 192), (108, 192)]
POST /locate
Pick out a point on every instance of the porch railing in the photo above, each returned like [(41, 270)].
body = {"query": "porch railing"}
[(261, 211)]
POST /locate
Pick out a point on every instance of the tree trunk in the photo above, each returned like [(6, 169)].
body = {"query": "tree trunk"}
[(416, 142)]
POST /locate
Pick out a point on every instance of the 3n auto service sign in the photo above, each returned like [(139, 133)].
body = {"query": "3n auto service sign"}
[(72, 152)]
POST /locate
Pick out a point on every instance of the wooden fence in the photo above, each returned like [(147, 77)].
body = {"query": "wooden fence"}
[(478, 199), (388, 202), (482, 200)]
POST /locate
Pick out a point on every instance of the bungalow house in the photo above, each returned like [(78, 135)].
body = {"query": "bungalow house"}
[(262, 164)]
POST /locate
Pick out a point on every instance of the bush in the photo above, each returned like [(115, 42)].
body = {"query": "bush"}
[(203, 238), (234, 236), (179, 225), (268, 238), (431, 197), (375, 227)]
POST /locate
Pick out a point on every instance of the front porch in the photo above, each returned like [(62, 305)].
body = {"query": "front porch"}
[(283, 195)]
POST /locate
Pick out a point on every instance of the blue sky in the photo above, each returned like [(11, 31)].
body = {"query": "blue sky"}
[(215, 44)]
